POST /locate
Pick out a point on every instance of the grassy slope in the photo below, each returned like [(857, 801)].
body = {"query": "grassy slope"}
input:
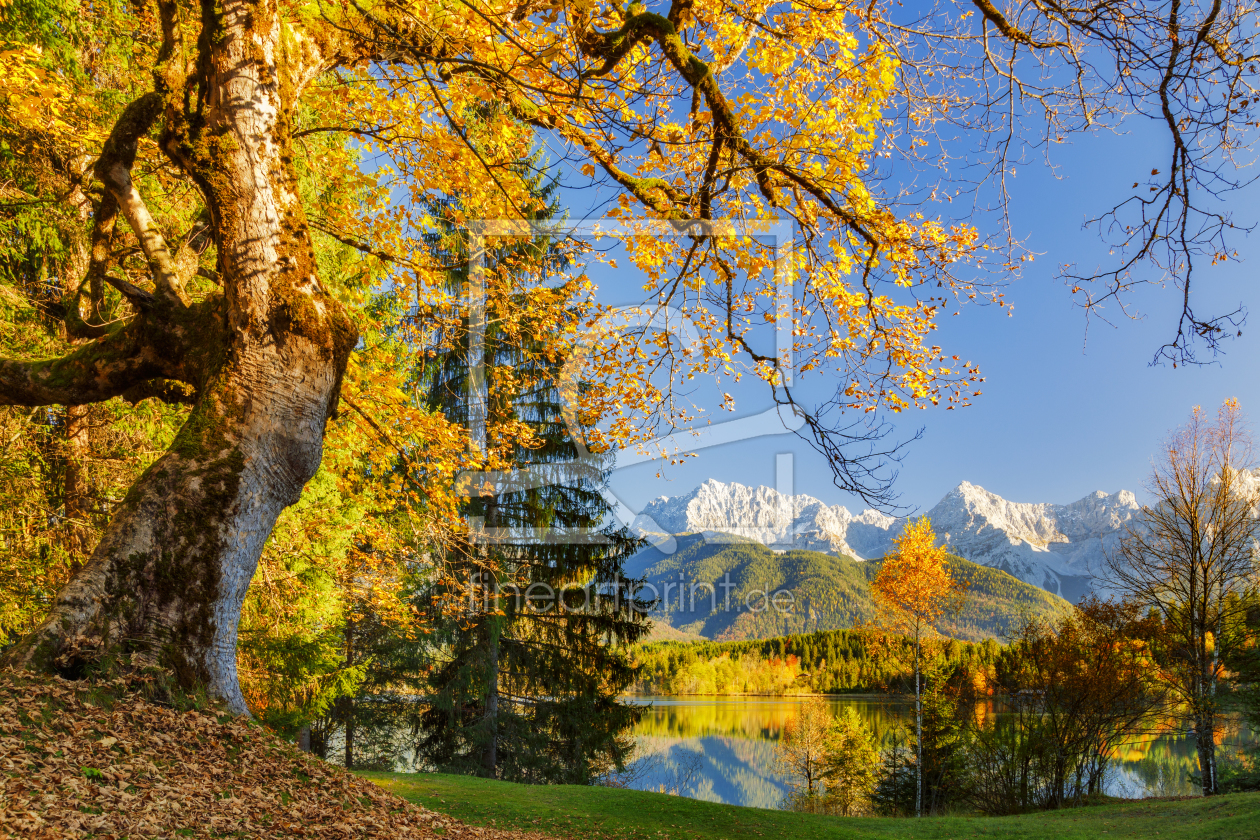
[(593, 812), (830, 592)]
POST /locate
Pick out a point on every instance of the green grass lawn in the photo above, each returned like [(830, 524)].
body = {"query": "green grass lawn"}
[(570, 811)]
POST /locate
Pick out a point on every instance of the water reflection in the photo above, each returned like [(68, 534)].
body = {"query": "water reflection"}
[(736, 739)]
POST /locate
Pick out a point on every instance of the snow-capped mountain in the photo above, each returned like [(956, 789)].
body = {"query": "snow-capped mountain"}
[(1051, 546)]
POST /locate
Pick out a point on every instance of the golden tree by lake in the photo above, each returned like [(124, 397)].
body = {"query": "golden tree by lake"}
[(831, 762), (915, 585), (1190, 559), (803, 753)]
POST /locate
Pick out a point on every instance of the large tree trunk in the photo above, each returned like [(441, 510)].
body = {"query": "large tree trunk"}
[(165, 584), (167, 580)]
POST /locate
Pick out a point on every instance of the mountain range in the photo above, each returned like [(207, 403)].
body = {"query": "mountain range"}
[(1054, 547), (739, 589)]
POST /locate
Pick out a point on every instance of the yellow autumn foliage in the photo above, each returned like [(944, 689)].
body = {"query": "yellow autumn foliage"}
[(914, 581)]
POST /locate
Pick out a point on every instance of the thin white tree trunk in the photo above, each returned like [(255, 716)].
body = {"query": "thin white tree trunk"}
[(491, 762), (918, 730)]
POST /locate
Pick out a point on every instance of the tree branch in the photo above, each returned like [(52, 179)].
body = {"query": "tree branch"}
[(114, 169), (158, 344), (100, 259), (166, 390), (93, 373), (1011, 32), (138, 297)]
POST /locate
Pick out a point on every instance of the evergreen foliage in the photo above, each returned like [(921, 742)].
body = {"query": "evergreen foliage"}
[(852, 765), (529, 666), (945, 773), (1242, 773)]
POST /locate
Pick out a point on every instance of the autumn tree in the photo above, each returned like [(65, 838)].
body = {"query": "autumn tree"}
[(1078, 688), (915, 585), (802, 751), (203, 283), (830, 761), (1190, 556), (64, 468), (853, 765), (259, 349)]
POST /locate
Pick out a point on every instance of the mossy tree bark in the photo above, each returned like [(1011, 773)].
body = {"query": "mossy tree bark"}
[(261, 362)]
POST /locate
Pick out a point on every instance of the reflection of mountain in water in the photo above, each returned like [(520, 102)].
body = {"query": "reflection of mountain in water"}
[(1159, 767), (737, 771), (736, 740)]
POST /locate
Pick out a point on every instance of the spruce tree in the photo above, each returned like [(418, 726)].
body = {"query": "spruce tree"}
[(526, 688)]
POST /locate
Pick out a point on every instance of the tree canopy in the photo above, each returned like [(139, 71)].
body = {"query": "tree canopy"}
[(203, 203)]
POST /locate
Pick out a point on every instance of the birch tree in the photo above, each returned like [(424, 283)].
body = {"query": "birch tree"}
[(1190, 556), (917, 588)]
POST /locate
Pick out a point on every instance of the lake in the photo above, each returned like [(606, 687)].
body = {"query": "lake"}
[(734, 741)]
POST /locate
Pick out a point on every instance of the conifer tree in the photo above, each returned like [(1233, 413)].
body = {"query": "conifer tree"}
[(532, 662), (852, 770)]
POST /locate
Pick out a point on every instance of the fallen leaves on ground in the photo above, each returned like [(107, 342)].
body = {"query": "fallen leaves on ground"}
[(124, 767)]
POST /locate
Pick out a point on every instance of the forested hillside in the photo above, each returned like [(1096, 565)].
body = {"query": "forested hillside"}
[(726, 591)]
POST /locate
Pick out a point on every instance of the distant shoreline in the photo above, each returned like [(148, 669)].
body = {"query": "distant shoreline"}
[(857, 695)]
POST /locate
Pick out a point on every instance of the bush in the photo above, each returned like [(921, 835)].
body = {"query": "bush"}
[(1078, 689)]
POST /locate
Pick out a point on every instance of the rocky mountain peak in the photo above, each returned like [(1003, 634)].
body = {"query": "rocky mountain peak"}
[(1052, 546)]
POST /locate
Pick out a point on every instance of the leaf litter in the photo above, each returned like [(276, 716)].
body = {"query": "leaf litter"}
[(74, 765)]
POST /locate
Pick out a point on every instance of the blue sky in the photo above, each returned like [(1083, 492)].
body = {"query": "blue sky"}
[(1060, 417)]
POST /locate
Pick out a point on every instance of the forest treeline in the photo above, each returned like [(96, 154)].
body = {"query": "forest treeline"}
[(826, 662)]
